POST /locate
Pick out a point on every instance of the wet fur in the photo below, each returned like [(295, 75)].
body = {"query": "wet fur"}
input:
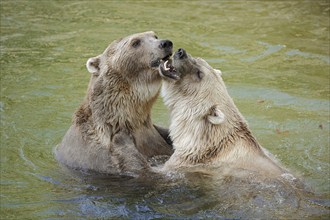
[(192, 100), (112, 130)]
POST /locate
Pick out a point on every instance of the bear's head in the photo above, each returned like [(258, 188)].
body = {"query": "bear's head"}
[(193, 87), (125, 81), (134, 56)]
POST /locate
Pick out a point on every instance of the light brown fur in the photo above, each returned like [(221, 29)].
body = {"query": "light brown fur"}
[(112, 130), (206, 126)]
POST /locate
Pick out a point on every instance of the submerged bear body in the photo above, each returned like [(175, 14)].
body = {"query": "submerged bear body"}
[(206, 126), (112, 130)]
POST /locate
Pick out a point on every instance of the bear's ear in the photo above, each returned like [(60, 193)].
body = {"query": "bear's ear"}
[(93, 65), (215, 115), (218, 71)]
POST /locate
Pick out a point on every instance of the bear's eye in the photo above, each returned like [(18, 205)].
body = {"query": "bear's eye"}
[(136, 43), (156, 37)]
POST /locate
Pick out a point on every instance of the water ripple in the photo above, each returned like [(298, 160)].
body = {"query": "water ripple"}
[(279, 98)]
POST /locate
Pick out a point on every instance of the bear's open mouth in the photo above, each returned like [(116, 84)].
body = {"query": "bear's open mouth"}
[(166, 69), (167, 57), (158, 61), (168, 66)]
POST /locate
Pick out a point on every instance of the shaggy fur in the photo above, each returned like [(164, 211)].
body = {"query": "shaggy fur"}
[(206, 126), (112, 130)]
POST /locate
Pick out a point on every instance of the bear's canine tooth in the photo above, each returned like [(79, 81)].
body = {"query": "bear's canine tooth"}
[(165, 67)]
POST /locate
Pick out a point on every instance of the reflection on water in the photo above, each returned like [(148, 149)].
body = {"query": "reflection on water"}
[(270, 49), (309, 55), (275, 61)]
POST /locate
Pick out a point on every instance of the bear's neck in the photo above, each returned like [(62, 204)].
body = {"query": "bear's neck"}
[(205, 146), (115, 103), (196, 140)]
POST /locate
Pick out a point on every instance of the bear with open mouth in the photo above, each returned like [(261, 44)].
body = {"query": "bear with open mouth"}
[(206, 126), (112, 131)]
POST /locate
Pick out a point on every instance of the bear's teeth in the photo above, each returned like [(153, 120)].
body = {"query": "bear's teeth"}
[(165, 67)]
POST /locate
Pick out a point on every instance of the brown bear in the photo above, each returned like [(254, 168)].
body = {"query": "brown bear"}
[(112, 130), (206, 127)]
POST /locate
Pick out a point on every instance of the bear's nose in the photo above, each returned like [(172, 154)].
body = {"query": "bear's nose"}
[(181, 53), (166, 44)]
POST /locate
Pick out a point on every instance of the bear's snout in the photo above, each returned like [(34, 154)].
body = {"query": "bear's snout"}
[(166, 44), (180, 54)]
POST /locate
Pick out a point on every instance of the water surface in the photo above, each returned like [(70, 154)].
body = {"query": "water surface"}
[(275, 62)]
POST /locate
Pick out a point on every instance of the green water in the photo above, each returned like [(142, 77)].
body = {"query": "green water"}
[(274, 56)]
